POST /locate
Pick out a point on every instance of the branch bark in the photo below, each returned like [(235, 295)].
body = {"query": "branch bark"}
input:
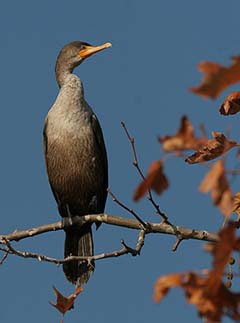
[(123, 251), (162, 228)]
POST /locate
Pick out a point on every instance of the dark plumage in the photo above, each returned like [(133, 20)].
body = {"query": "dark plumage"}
[(76, 158)]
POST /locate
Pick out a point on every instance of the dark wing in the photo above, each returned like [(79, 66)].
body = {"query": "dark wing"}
[(97, 130), (45, 143), (45, 149)]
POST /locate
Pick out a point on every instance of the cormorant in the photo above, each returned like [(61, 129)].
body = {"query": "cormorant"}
[(75, 156)]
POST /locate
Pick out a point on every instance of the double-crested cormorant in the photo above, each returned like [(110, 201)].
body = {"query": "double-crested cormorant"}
[(76, 158)]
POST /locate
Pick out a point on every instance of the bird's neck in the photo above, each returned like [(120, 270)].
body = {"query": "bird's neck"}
[(71, 94), (62, 73)]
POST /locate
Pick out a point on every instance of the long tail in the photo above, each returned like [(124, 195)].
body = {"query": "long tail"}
[(78, 243)]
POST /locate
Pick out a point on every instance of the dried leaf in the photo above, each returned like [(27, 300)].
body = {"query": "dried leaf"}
[(155, 180), (163, 285), (236, 204), (217, 78), (216, 182), (231, 105), (208, 293), (211, 178), (221, 253), (212, 307), (183, 140), (65, 304), (214, 148), (226, 202), (194, 291)]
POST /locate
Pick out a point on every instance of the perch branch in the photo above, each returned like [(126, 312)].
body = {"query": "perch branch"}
[(163, 228)]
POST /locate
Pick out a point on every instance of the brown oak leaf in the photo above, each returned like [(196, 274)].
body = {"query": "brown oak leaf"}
[(231, 105), (155, 180), (207, 292), (216, 182), (217, 78), (221, 253), (226, 202), (212, 307), (164, 283), (183, 140), (214, 148), (236, 204), (65, 304)]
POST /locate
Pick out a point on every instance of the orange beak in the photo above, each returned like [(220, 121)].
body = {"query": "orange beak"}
[(90, 50)]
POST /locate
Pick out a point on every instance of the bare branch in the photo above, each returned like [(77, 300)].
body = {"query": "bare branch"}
[(127, 209), (139, 245), (163, 228), (4, 257), (177, 243), (136, 164), (130, 250), (39, 257), (140, 242), (24, 254), (19, 235)]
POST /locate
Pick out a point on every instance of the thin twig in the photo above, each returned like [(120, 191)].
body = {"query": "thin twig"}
[(144, 224), (4, 257), (140, 242), (125, 250), (40, 257), (136, 164), (177, 243), (130, 250), (139, 245)]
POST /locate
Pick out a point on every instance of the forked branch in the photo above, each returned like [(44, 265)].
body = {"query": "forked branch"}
[(162, 228), (24, 254)]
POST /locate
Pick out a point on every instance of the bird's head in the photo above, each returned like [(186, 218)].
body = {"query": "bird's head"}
[(74, 53)]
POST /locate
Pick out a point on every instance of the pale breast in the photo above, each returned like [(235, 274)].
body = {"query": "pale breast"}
[(75, 152)]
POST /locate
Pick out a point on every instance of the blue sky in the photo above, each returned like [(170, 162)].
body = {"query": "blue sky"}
[(142, 80)]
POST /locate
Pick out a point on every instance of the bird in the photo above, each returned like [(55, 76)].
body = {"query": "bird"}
[(75, 158)]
